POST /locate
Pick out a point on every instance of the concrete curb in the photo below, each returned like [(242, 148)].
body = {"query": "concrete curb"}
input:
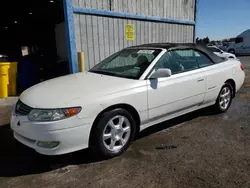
[(5, 109)]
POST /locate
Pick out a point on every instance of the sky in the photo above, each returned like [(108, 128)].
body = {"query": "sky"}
[(220, 19)]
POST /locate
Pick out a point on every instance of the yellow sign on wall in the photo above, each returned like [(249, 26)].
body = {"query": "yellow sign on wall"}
[(130, 32)]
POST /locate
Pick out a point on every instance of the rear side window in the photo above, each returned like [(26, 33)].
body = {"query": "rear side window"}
[(202, 59), (239, 40), (178, 61)]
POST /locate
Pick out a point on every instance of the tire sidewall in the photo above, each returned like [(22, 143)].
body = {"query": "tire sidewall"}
[(97, 137), (219, 109)]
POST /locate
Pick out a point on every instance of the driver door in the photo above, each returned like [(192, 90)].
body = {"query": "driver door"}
[(184, 89)]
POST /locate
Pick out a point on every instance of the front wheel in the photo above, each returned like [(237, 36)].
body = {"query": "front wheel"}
[(224, 99), (113, 133)]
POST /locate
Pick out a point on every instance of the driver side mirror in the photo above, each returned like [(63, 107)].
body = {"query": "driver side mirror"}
[(161, 73)]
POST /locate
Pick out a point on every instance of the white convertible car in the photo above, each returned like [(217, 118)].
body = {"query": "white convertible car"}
[(217, 51), (129, 91)]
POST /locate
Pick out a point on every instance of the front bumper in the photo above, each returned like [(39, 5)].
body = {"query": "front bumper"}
[(72, 134)]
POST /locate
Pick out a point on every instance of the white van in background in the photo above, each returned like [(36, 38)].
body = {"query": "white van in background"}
[(241, 45)]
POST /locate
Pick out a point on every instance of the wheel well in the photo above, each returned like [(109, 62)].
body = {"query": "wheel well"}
[(127, 107), (232, 83), (231, 49)]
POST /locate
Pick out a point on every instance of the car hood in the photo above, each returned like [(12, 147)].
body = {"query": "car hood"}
[(60, 92)]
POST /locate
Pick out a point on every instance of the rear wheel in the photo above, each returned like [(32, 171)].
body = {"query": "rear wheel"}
[(114, 133), (224, 99)]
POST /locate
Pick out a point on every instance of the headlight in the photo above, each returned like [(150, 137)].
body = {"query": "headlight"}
[(52, 114)]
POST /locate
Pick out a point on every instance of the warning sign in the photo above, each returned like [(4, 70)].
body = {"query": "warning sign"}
[(130, 32)]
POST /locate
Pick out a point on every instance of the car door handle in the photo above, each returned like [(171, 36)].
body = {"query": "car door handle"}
[(200, 80)]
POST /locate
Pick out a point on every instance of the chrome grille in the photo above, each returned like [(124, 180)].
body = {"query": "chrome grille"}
[(22, 109)]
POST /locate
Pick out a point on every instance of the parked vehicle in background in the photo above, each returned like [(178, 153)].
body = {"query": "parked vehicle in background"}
[(221, 53), (223, 47), (126, 93), (231, 40), (4, 58), (218, 45), (241, 45)]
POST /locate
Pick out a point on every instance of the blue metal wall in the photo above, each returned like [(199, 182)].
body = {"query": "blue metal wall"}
[(70, 35)]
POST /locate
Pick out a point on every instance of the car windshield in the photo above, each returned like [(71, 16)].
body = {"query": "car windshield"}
[(128, 63), (213, 49)]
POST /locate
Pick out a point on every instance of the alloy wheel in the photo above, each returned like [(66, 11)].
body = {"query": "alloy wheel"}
[(116, 133), (225, 98)]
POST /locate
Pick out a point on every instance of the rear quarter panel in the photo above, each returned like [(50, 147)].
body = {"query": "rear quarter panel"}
[(218, 74)]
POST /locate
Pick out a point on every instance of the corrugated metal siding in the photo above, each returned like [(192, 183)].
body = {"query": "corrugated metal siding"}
[(96, 4), (98, 37), (75, 2), (177, 9)]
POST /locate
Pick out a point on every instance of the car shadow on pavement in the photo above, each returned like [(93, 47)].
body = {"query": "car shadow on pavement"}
[(18, 160)]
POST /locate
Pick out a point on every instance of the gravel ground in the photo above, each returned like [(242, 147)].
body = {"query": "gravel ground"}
[(200, 149)]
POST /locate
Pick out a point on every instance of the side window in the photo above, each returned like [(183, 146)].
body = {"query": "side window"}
[(218, 50), (202, 59), (164, 62), (178, 61), (213, 49), (238, 40)]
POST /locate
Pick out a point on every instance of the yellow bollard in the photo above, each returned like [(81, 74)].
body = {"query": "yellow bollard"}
[(12, 79), (81, 61), (4, 79)]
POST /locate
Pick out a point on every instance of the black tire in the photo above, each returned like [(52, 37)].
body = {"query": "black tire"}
[(97, 143), (232, 51), (218, 107)]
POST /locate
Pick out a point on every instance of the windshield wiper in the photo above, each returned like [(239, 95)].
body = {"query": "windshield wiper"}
[(103, 72), (112, 74)]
